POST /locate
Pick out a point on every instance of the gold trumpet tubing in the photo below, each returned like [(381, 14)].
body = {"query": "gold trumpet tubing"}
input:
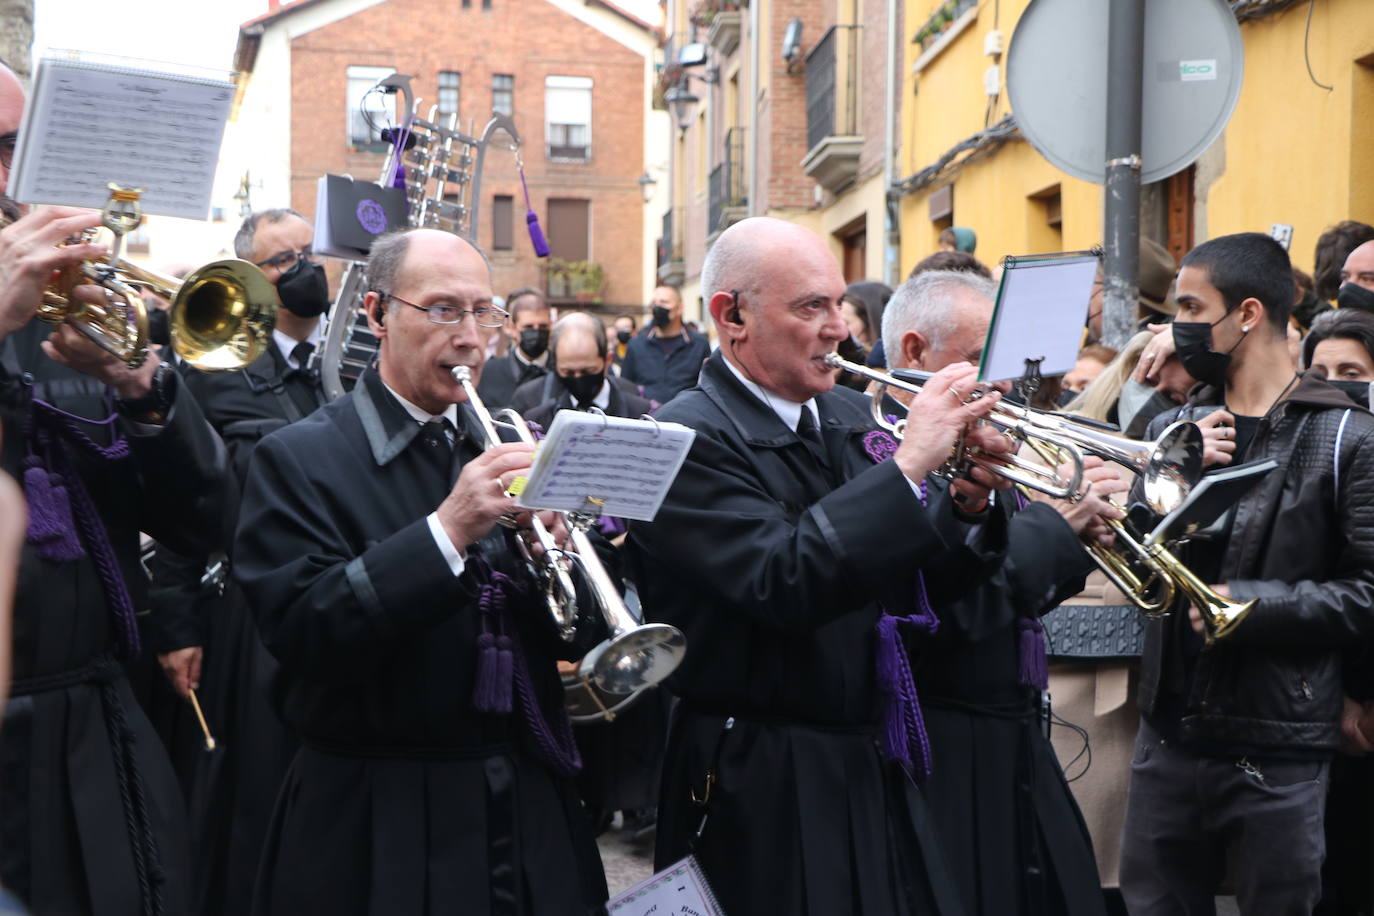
[(1117, 566), (1220, 615)]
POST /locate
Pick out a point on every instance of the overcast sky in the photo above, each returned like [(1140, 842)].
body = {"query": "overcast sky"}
[(194, 32)]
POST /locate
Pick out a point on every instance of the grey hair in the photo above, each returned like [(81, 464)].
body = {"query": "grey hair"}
[(579, 323), (924, 304), (245, 240), (728, 265)]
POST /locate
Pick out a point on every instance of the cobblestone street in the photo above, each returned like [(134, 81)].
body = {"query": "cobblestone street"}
[(626, 860)]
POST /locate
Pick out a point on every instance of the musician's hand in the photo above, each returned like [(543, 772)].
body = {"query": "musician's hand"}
[(1354, 741), (71, 348), (553, 523), (939, 416), (479, 497), (29, 255), (182, 667), (1155, 354), (1218, 438), (1195, 616), (1088, 516)]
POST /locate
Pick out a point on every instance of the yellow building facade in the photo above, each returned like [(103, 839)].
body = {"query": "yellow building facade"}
[(1293, 152)]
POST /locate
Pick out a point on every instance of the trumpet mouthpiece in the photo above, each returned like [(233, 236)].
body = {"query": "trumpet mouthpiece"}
[(834, 360), (461, 374)]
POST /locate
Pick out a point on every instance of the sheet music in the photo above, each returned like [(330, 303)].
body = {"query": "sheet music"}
[(627, 465), (1041, 306), (91, 122)]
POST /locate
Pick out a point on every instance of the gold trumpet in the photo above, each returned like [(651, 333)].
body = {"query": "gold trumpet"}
[(222, 314)]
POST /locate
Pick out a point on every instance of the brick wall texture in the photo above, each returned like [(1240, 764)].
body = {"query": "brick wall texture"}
[(530, 39)]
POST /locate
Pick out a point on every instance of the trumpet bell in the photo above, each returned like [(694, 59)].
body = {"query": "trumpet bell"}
[(1173, 467), (635, 659), (222, 315)]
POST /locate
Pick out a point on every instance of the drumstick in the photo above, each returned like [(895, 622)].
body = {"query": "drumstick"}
[(195, 704)]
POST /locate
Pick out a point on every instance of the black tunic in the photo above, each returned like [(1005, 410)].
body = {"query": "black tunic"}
[(67, 832), (232, 791), (1012, 834), (404, 799), (775, 566)]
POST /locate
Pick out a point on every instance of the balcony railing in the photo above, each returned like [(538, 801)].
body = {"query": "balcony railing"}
[(831, 84), (728, 192)]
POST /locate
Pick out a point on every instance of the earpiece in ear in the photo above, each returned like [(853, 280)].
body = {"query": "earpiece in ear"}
[(735, 316), (380, 315)]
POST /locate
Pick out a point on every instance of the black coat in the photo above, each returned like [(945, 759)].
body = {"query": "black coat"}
[(69, 837), (232, 792), (662, 375), (502, 375), (1011, 831), (404, 798), (1302, 542), (538, 400), (775, 568)]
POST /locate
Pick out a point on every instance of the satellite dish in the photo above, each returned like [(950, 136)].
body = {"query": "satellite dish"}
[(1057, 82), (791, 40)]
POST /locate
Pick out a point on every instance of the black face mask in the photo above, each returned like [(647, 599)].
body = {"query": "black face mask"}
[(1193, 343), (661, 317), (1357, 391), (1355, 296), (303, 289), (534, 341), (623, 336), (159, 331), (583, 388), (1065, 398)]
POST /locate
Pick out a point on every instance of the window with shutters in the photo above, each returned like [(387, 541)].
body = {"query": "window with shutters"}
[(568, 118), (502, 222)]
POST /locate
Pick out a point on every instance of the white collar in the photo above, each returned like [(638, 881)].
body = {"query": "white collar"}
[(541, 360), (420, 415), (286, 343), (603, 397), (789, 412)]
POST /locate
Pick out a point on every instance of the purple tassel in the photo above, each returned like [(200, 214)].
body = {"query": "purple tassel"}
[(541, 247), (505, 672), (889, 661), (51, 528), (484, 685), (1033, 669)]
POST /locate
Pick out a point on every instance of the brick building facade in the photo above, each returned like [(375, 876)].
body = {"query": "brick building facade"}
[(310, 60)]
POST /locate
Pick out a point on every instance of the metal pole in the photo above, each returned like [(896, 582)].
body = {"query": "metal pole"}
[(1121, 223)]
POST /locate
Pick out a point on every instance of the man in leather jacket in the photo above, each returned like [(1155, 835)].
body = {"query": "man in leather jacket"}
[(1230, 769)]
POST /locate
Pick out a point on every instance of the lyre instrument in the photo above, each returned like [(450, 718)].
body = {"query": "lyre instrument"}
[(442, 169), (635, 656), (221, 315)]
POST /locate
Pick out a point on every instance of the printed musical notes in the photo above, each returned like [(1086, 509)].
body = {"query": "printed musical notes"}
[(628, 464), (90, 122)]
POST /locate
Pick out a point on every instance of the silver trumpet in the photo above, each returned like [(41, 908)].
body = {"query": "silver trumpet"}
[(1168, 467), (635, 656), (552, 570)]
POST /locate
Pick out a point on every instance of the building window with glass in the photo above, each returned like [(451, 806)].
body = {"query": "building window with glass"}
[(502, 222), (367, 111), (503, 93), (449, 84), (568, 117)]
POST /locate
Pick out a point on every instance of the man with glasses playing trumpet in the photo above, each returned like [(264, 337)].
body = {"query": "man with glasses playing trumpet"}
[(1010, 829), (416, 667), (797, 559), (90, 812)]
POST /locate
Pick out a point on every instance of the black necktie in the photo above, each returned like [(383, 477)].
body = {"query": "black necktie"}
[(301, 382), (301, 354), (435, 447), (811, 435)]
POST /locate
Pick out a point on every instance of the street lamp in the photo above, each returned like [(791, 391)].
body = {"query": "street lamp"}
[(646, 186), (682, 104)]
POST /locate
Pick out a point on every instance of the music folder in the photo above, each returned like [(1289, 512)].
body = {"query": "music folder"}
[(349, 214), (1210, 499)]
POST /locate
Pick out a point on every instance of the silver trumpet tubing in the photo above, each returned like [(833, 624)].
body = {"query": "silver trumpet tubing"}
[(443, 184), (1168, 467), (635, 656), (551, 571)]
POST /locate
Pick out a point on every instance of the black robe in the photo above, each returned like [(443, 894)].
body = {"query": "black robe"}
[(1011, 831), (231, 792), (69, 826), (502, 375), (403, 799), (775, 568)]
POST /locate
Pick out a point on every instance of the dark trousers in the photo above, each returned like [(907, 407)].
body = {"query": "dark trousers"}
[(1192, 821)]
